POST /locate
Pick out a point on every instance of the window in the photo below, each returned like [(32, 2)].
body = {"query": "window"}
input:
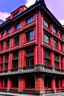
[(60, 46), (30, 57), (56, 61), (60, 34), (6, 63), (2, 34), (7, 44), (46, 38), (15, 62), (1, 46), (47, 58), (46, 23), (55, 43), (16, 41), (17, 13), (30, 36), (30, 20), (9, 31), (55, 30), (18, 26)]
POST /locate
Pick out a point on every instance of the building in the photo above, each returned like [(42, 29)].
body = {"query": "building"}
[(1, 21), (31, 52)]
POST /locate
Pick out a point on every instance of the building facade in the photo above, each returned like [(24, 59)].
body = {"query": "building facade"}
[(31, 52)]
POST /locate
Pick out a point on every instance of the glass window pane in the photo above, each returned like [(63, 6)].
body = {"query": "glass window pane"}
[(55, 43), (46, 23), (46, 39), (31, 19), (9, 31), (54, 30), (17, 26)]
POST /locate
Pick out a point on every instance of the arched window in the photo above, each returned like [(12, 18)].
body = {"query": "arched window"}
[(47, 81), (30, 81)]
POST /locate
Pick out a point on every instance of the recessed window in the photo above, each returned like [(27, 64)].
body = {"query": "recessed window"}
[(16, 41), (46, 23), (46, 38), (2, 34), (60, 46), (17, 13), (60, 34), (30, 36), (55, 43), (47, 58), (56, 61), (9, 31), (30, 20), (29, 56), (7, 44), (55, 30), (18, 26)]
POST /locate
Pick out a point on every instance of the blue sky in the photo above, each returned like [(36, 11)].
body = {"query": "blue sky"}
[(55, 6)]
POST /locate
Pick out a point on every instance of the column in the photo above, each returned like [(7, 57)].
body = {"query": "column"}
[(59, 66), (51, 41), (10, 61), (9, 84), (59, 83), (20, 60), (22, 84), (39, 37), (63, 63), (63, 83), (39, 83), (52, 59), (58, 45), (53, 84)]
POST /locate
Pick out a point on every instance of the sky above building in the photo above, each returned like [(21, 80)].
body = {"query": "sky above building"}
[(55, 6)]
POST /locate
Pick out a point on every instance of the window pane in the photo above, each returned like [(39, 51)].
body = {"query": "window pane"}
[(31, 19), (46, 23), (55, 43), (16, 14), (54, 30), (46, 39), (16, 41), (30, 36), (17, 26), (9, 31)]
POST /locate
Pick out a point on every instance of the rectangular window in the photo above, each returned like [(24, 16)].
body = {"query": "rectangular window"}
[(16, 41), (17, 13), (2, 34), (15, 61), (30, 20), (46, 38), (55, 30), (56, 61), (55, 43), (30, 36), (46, 23), (30, 57), (9, 31), (47, 58), (17, 26), (7, 44)]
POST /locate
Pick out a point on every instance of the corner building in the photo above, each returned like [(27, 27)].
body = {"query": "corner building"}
[(31, 53)]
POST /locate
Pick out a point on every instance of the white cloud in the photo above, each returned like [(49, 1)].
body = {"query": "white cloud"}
[(29, 2), (61, 21), (4, 15)]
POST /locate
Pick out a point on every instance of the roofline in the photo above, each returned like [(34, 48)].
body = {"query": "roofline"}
[(37, 4)]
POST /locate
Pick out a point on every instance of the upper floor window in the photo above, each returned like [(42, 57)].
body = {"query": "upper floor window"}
[(30, 56), (46, 38), (30, 20), (7, 44), (60, 46), (18, 26), (16, 41), (55, 30), (46, 23), (47, 58), (17, 13), (60, 34), (9, 31), (55, 43), (2, 34), (30, 36)]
